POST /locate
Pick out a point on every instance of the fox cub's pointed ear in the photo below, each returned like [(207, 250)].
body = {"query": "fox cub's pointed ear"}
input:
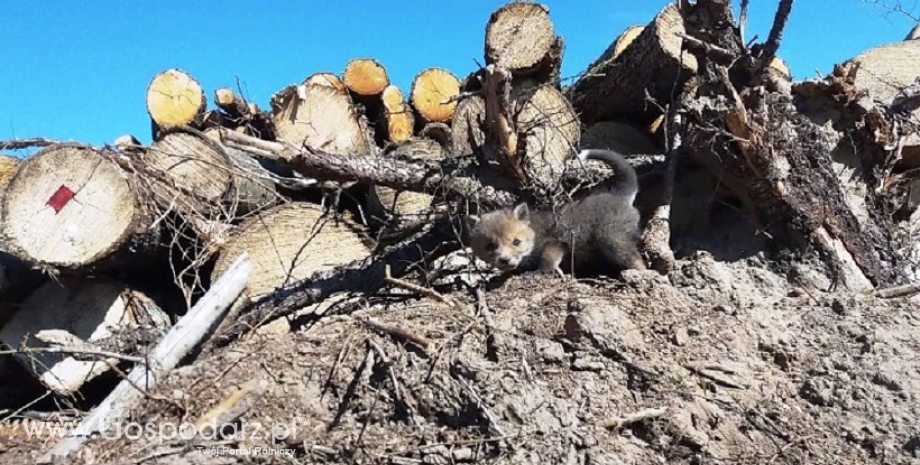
[(521, 211)]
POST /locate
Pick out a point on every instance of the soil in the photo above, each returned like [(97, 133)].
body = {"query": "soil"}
[(715, 363)]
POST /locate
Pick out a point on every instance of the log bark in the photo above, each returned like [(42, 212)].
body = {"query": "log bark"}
[(620, 137), (365, 77), (72, 208), (185, 336), (396, 122), (326, 79), (93, 310), (174, 98), (194, 173), (468, 131), (434, 94), (615, 86), (321, 118), (289, 242), (520, 38)]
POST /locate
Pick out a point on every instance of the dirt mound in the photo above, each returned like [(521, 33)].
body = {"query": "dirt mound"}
[(714, 363)]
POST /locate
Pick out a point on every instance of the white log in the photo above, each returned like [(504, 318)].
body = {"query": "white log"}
[(188, 333)]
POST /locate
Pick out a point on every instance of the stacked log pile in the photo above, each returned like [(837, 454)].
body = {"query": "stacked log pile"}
[(342, 179)]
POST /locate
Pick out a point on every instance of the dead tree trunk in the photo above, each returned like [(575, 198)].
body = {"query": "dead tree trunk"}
[(520, 38)]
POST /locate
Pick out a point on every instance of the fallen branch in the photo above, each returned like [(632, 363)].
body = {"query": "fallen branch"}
[(417, 176), (906, 290), (74, 351), (19, 144), (178, 342), (412, 287)]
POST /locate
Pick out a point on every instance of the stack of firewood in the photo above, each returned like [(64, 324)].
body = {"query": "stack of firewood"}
[(344, 176)]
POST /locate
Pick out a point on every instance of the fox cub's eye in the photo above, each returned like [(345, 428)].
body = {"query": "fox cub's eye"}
[(516, 242), (491, 246)]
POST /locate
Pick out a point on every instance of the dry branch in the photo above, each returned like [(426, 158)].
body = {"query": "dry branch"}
[(178, 342)]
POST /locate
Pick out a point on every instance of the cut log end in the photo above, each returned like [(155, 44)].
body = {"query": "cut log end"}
[(519, 35), (326, 79), (625, 39), (365, 76), (8, 166), (291, 242), (398, 119), (321, 118), (434, 93), (174, 98), (549, 130), (68, 207)]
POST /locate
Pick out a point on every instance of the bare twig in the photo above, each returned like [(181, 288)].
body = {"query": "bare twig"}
[(400, 333), (712, 50), (74, 351), (412, 287), (641, 415)]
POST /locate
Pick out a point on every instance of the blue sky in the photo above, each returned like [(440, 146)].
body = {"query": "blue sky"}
[(79, 70)]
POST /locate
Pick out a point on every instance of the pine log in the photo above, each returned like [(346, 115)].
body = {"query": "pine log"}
[(194, 173), (325, 79), (397, 120), (434, 93), (290, 242), (618, 136), (549, 133), (615, 87), (384, 202), (521, 39), (320, 118), (883, 72), (233, 105), (365, 77), (174, 98), (70, 208), (625, 39), (92, 310)]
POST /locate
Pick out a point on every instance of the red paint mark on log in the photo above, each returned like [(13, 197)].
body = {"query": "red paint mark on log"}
[(60, 198)]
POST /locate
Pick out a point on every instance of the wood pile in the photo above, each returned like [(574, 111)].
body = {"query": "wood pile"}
[(343, 181)]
